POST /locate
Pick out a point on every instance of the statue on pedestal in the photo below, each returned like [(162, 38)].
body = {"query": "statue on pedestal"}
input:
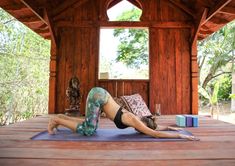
[(74, 96)]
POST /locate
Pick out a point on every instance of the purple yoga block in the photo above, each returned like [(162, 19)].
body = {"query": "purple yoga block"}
[(189, 121)]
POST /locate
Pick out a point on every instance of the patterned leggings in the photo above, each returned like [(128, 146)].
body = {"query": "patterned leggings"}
[(96, 98)]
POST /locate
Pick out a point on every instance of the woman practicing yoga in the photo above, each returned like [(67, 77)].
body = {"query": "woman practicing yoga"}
[(100, 98)]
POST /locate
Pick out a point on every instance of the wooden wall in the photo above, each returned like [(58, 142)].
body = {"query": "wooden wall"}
[(170, 70), (77, 54), (126, 87)]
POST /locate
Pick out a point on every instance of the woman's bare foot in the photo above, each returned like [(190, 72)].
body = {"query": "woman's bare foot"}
[(51, 126)]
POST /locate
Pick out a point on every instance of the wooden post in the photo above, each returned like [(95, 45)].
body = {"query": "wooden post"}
[(194, 64), (194, 80), (52, 81)]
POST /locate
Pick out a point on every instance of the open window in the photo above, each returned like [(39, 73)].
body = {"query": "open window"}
[(124, 53), (115, 8)]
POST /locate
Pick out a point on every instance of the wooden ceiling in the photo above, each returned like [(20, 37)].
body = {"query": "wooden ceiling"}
[(208, 15)]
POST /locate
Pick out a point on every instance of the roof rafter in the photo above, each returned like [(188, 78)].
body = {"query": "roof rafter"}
[(34, 10), (184, 8), (228, 10), (63, 6), (42, 31), (15, 7), (221, 4), (43, 26), (30, 19), (197, 29), (218, 20), (66, 4), (50, 24)]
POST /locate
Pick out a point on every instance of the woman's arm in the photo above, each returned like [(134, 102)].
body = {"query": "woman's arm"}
[(162, 128), (133, 121)]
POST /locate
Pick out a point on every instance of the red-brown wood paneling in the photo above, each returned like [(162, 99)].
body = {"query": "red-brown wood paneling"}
[(76, 58), (119, 88), (170, 70)]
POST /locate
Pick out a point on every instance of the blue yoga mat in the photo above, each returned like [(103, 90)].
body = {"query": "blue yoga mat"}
[(106, 135)]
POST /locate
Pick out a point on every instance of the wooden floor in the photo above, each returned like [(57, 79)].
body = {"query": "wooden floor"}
[(216, 147)]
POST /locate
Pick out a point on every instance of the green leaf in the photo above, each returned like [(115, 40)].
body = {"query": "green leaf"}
[(214, 98), (204, 93), (232, 96)]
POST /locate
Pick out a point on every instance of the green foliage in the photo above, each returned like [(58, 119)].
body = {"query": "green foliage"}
[(133, 47), (214, 97), (130, 15), (24, 65), (232, 96), (225, 87), (215, 57)]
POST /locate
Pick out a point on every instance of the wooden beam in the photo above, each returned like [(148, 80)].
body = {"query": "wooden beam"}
[(33, 9), (197, 28), (81, 24), (205, 32), (31, 19), (218, 21), (183, 8), (14, 8), (66, 4), (228, 10), (43, 26), (52, 80), (173, 24), (47, 36), (220, 5), (63, 6), (204, 3), (121, 24), (205, 27), (202, 36), (42, 31), (50, 25)]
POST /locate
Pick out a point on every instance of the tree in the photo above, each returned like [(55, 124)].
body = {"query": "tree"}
[(215, 53), (24, 64), (133, 47), (215, 59)]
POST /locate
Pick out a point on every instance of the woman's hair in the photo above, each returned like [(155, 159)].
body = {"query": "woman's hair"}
[(150, 121)]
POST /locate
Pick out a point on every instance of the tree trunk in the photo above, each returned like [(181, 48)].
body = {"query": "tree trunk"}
[(207, 79)]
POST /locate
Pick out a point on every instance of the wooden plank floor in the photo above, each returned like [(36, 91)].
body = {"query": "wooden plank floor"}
[(216, 147)]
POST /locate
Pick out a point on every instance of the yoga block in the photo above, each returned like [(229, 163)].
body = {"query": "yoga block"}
[(195, 121), (180, 120), (189, 121)]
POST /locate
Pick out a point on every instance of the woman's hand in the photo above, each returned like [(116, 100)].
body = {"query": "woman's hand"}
[(189, 137)]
